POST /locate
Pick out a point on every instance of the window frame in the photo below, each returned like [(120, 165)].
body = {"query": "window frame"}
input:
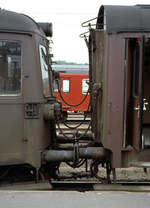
[(86, 80), (43, 71), (68, 90), (21, 67)]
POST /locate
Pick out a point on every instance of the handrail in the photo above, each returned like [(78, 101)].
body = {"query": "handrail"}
[(84, 24)]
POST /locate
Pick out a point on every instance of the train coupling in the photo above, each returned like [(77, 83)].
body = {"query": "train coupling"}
[(52, 109), (55, 155)]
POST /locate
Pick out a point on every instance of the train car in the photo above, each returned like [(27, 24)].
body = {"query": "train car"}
[(120, 46), (72, 91), (119, 74), (71, 85), (23, 63)]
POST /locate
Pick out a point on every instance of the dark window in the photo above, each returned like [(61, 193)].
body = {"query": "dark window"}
[(10, 68), (55, 86)]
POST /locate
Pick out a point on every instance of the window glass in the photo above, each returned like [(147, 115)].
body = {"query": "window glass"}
[(44, 69), (85, 86), (55, 86), (10, 68), (66, 85)]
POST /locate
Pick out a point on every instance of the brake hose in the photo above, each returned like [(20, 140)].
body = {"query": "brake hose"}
[(78, 125)]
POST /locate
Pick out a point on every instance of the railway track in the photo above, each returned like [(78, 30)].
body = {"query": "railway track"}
[(82, 186), (97, 186), (66, 130), (73, 121)]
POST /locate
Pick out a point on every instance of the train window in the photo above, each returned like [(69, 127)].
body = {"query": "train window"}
[(66, 85), (44, 69), (55, 86), (10, 68), (85, 85)]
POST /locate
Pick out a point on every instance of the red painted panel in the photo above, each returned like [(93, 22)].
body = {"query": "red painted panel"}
[(75, 95)]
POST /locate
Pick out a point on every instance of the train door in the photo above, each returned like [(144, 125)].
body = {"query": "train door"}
[(137, 95), (11, 99), (137, 91)]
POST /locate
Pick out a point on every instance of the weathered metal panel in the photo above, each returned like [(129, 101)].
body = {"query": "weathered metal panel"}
[(23, 139), (114, 123), (15, 22), (97, 79), (109, 73)]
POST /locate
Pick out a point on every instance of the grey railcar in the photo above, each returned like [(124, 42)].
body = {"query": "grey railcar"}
[(24, 134)]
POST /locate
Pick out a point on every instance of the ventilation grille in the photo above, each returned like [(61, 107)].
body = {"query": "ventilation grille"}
[(32, 110)]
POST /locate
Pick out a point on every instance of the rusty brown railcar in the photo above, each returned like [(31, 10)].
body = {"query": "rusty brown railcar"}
[(119, 51)]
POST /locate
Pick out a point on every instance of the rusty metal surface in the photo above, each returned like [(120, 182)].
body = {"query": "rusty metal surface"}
[(108, 125), (83, 152), (113, 123), (96, 76)]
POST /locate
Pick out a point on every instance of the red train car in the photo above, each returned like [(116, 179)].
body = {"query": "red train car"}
[(73, 91)]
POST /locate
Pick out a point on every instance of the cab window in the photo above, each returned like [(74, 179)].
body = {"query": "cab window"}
[(44, 69), (55, 86), (10, 68)]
